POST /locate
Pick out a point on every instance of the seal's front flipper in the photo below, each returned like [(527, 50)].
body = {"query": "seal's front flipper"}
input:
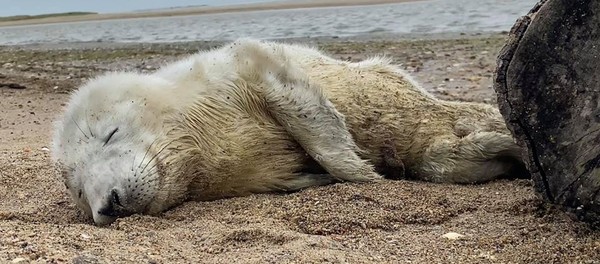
[(317, 126), (302, 108)]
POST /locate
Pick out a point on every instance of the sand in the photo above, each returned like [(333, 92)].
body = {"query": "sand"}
[(389, 222), (274, 5)]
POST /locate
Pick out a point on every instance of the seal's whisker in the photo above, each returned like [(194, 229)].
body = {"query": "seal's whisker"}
[(152, 179), (151, 168), (86, 136), (133, 162), (142, 161), (88, 122), (150, 171), (60, 165), (156, 155)]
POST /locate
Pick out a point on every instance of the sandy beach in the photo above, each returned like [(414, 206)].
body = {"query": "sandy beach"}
[(389, 222), (275, 5)]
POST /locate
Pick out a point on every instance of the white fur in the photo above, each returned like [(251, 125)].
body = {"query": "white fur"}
[(93, 112), (152, 113)]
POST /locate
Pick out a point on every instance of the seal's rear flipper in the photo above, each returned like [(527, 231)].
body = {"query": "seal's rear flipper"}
[(476, 158)]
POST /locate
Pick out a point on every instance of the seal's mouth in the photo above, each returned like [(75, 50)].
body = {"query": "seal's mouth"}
[(128, 194), (111, 210)]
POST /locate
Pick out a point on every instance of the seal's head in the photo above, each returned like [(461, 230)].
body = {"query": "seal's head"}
[(107, 145)]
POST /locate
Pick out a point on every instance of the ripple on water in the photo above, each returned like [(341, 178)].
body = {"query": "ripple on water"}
[(434, 16)]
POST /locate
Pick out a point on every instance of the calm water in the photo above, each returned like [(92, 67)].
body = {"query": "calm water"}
[(438, 16)]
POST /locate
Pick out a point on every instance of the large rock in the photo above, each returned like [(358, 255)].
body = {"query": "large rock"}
[(548, 86)]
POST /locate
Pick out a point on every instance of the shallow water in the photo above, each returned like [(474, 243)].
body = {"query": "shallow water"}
[(426, 17)]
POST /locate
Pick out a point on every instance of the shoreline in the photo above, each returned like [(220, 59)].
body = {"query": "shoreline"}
[(204, 10), (386, 37)]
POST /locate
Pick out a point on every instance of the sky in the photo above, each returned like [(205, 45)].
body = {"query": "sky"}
[(36, 7)]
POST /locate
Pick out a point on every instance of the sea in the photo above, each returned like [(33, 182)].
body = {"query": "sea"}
[(409, 18)]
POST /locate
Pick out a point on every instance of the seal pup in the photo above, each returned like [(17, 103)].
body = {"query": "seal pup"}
[(256, 116)]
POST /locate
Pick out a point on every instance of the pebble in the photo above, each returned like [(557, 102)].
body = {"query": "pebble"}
[(13, 85), (453, 236), (18, 260), (487, 256), (85, 259)]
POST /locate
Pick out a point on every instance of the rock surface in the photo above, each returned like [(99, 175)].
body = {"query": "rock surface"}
[(548, 90)]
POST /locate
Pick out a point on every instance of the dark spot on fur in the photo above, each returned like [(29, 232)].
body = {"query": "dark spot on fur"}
[(392, 166), (310, 166), (80, 193)]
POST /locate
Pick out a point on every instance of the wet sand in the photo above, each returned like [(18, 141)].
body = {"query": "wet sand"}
[(388, 222), (275, 5)]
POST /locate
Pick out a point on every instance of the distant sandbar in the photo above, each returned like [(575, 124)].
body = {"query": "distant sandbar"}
[(276, 5)]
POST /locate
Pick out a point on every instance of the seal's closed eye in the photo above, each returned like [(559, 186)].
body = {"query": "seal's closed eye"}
[(110, 136)]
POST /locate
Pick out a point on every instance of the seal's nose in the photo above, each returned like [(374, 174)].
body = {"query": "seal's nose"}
[(113, 206)]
